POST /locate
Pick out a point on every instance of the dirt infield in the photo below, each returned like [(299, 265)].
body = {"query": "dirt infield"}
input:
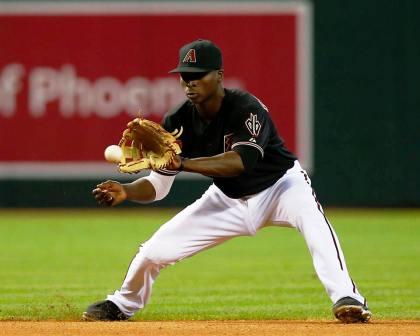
[(204, 328)]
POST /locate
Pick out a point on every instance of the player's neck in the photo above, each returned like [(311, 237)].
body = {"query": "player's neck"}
[(209, 108)]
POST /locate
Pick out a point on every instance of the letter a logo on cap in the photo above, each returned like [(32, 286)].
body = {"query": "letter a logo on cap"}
[(190, 57)]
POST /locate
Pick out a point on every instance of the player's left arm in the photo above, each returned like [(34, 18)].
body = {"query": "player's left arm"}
[(221, 165)]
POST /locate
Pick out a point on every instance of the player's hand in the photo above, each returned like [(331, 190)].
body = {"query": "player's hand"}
[(109, 193), (175, 164)]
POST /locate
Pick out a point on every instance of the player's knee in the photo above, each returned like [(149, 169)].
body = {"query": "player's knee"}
[(158, 253), (299, 206)]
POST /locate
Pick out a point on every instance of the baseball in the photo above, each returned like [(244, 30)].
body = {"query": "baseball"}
[(113, 153)]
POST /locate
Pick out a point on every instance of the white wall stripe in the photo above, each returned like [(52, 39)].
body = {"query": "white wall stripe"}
[(73, 170), (152, 8)]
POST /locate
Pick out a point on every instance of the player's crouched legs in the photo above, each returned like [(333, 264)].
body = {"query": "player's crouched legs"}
[(137, 286)]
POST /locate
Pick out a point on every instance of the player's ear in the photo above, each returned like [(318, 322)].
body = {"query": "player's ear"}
[(220, 76)]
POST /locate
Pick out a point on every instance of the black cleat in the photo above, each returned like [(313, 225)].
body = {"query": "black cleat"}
[(349, 310), (104, 311)]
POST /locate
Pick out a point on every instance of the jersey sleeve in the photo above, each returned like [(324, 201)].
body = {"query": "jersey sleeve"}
[(251, 127), (249, 156)]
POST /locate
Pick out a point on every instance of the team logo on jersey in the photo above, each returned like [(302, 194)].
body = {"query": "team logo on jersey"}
[(190, 57), (228, 141), (253, 126)]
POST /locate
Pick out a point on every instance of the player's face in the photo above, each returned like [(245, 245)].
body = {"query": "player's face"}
[(200, 86)]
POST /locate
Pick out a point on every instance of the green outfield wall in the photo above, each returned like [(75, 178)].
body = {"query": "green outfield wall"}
[(366, 85), (367, 90)]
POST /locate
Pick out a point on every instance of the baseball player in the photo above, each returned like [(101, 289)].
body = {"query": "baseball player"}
[(229, 136)]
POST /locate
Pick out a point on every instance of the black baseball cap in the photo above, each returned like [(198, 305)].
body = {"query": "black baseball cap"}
[(199, 56)]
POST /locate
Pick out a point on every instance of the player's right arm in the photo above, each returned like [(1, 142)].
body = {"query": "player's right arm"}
[(143, 190)]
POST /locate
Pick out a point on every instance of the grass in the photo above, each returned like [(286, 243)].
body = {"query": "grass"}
[(54, 263)]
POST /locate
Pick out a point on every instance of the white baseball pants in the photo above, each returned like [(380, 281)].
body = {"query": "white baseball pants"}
[(215, 218)]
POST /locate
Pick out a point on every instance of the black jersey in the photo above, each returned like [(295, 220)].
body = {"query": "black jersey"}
[(243, 120)]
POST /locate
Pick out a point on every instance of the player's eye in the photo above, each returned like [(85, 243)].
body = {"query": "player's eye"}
[(190, 76)]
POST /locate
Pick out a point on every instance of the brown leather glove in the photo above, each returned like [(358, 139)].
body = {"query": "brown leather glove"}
[(147, 145)]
